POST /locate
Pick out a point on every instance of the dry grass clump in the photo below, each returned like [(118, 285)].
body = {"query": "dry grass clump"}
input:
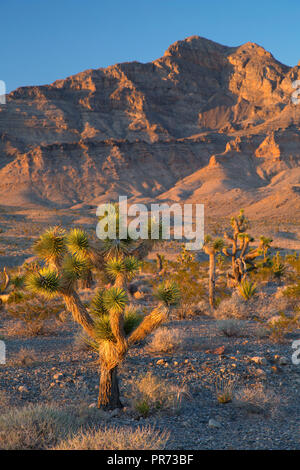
[(4, 400), (25, 357), (257, 399), (34, 427), (230, 327), (164, 340), (117, 438), (152, 394), (235, 307), (225, 387)]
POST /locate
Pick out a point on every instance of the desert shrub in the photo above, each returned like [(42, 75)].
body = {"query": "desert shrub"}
[(294, 261), (261, 332), (266, 306), (186, 275), (282, 324), (117, 438), (149, 267), (234, 307), (152, 394), (4, 400), (25, 357), (257, 399), (225, 387), (262, 273), (247, 289), (15, 297), (278, 267), (230, 327), (201, 308), (164, 340), (293, 291), (33, 314), (17, 281), (34, 427)]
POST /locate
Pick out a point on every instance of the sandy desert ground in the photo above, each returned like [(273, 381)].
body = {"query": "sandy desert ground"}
[(204, 380)]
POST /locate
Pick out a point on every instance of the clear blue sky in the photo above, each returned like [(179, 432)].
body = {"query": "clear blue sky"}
[(43, 40)]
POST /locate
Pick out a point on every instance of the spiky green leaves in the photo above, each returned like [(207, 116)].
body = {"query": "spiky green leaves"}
[(213, 244), (122, 269), (169, 293), (97, 307), (115, 300), (77, 243), (246, 237), (51, 246), (247, 289), (46, 282), (103, 331), (74, 268)]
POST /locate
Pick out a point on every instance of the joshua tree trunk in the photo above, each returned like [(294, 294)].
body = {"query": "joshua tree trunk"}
[(109, 396), (159, 262), (212, 280)]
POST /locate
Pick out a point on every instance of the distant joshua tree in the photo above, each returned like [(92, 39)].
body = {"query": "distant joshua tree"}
[(211, 247), (71, 257), (242, 256)]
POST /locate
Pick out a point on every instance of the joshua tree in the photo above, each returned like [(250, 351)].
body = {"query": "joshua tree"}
[(4, 286), (278, 267), (160, 259), (68, 257), (116, 330), (211, 247), (122, 270), (240, 253)]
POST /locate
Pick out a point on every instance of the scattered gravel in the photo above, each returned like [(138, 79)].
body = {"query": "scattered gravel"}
[(66, 376)]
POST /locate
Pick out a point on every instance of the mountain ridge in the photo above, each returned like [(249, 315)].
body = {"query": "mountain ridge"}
[(215, 117)]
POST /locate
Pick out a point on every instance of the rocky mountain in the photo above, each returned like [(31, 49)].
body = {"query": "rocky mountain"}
[(204, 123)]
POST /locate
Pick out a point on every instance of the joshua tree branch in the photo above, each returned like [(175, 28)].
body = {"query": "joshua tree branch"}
[(150, 322)]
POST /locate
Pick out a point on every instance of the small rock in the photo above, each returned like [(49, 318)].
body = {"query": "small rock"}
[(160, 361), (283, 361), (114, 412), (260, 373), (212, 423), (23, 389), (58, 376), (259, 360)]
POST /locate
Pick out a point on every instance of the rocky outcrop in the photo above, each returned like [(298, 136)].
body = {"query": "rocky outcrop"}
[(203, 122)]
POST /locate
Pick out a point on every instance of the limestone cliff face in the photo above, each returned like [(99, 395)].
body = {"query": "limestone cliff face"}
[(201, 122)]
